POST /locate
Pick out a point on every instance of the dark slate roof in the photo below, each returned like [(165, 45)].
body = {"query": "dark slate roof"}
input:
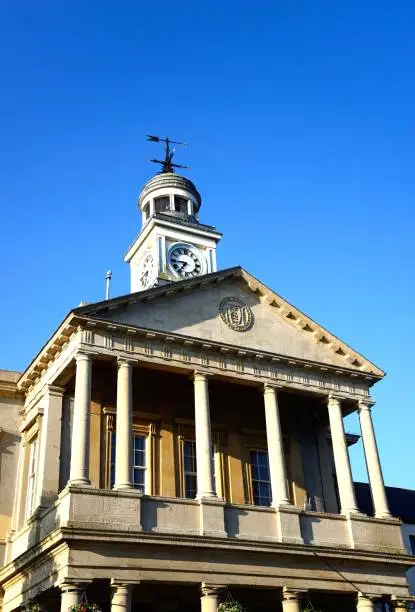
[(401, 501)]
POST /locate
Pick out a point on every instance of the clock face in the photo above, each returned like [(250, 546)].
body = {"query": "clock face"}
[(185, 261), (146, 270)]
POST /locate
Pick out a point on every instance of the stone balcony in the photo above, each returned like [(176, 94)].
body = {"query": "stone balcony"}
[(117, 514)]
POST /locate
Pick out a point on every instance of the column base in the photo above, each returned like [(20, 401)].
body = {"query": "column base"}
[(352, 512), (80, 482), (384, 515), (123, 487)]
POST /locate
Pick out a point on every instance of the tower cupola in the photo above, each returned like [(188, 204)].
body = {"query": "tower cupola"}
[(171, 195), (173, 245)]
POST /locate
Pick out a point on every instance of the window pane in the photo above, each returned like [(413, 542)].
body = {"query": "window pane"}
[(180, 204), (261, 485), (190, 486), (162, 204), (139, 463), (190, 470)]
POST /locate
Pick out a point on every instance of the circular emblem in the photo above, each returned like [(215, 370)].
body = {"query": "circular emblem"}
[(237, 315)]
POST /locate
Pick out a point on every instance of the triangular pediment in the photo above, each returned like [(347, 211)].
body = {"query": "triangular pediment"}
[(234, 308)]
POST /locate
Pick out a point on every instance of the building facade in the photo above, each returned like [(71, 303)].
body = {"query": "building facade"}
[(184, 444)]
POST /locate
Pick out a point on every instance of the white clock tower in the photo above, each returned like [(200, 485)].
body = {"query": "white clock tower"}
[(172, 245)]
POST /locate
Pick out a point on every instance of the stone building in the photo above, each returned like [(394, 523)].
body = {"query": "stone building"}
[(184, 444)]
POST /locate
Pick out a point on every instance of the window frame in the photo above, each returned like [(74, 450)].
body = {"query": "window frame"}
[(186, 434), (162, 197), (252, 480), (31, 478), (146, 430)]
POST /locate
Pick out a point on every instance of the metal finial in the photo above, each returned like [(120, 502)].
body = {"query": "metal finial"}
[(108, 281), (166, 164)]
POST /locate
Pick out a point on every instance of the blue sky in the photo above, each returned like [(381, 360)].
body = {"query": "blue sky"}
[(300, 116)]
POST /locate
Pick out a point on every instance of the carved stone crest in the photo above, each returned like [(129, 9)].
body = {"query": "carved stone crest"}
[(237, 315)]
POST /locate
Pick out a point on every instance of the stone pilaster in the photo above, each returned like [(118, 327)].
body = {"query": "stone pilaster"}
[(209, 598), (204, 454), (341, 458), (124, 425), (278, 474), (374, 469), (47, 486), (79, 472)]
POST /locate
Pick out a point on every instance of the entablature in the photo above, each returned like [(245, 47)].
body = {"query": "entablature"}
[(178, 352)]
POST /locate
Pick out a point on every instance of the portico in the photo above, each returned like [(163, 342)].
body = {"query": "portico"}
[(204, 447), (203, 467)]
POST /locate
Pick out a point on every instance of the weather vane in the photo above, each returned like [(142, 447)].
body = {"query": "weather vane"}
[(166, 164)]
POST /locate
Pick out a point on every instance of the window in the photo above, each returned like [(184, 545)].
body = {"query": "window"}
[(180, 204), (139, 464), (261, 483), (162, 204), (412, 543), (190, 471), (31, 478), (112, 459), (146, 211)]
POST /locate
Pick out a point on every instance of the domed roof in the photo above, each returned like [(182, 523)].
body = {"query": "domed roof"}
[(172, 180)]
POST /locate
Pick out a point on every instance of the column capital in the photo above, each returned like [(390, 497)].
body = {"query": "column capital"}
[(55, 390), (365, 404), (400, 603), (121, 585), (271, 387), (199, 375), (125, 362), (334, 398), (209, 590), (67, 586), (83, 355), (292, 594)]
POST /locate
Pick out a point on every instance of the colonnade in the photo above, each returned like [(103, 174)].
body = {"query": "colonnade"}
[(204, 457), (72, 594)]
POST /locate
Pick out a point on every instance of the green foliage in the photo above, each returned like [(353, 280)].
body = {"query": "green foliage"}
[(230, 606), (85, 606), (33, 607)]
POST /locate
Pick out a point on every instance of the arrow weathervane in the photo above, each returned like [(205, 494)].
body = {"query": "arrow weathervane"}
[(166, 164)]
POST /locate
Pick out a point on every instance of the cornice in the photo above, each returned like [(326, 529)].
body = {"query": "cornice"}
[(231, 350)]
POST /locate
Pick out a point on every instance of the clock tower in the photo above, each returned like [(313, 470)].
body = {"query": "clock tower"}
[(173, 245)]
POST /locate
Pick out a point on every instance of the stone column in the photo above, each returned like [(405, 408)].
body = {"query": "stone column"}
[(71, 595), (374, 469), (120, 597), (209, 598), (365, 603), (291, 601), (341, 458), (204, 454), (124, 426), (276, 458), (79, 472)]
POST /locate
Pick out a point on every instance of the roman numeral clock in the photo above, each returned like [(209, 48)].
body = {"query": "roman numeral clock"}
[(172, 245), (186, 261)]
